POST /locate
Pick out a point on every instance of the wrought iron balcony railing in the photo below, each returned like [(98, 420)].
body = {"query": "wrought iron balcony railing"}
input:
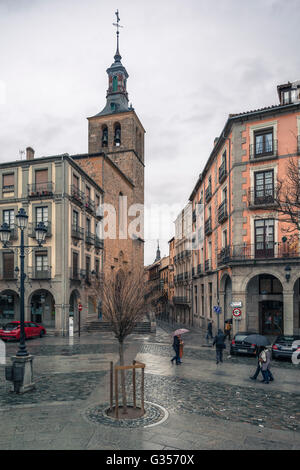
[(38, 273), (77, 232), (261, 197), (222, 172), (181, 300), (89, 238), (265, 150), (222, 212), (40, 189), (258, 251), (208, 265), (76, 194), (89, 204), (99, 243), (8, 274), (208, 226)]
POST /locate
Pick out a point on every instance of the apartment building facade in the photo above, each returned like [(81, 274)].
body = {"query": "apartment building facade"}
[(56, 191), (182, 299), (243, 257)]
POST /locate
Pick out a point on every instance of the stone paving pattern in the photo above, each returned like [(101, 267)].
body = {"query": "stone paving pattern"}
[(210, 407)]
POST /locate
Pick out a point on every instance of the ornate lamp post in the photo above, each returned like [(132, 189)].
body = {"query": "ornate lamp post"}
[(22, 358)]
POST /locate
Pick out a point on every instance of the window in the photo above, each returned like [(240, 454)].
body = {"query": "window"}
[(41, 215), (224, 239), (264, 238), (202, 299), (196, 299), (8, 182), (88, 192), (76, 181), (263, 143), (97, 265), (75, 219), (263, 186), (117, 136), (88, 226), (9, 217), (210, 299), (115, 83), (8, 266), (75, 265), (289, 96), (41, 262), (87, 267), (41, 180), (269, 284)]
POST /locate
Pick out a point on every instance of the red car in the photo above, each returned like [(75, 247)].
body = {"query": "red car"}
[(12, 330)]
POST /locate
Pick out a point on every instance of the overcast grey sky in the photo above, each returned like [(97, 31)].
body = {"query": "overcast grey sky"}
[(190, 64)]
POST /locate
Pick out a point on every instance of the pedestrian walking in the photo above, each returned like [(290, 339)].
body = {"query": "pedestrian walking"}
[(209, 333), (219, 341), (258, 350), (228, 330), (265, 359), (176, 344)]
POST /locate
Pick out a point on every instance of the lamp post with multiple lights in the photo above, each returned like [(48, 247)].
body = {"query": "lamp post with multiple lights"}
[(40, 234)]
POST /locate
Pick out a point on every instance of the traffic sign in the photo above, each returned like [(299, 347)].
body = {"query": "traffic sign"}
[(236, 312), (217, 310), (79, 307)]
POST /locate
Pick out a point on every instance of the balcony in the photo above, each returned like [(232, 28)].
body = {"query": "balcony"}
[(40, 274), (208, 194), (269, 151), (199, 269), (75, 274), (89, 238), (223, 256), (208, 265), (208, 226), (261, 198), (222, 172), (77, 232), (77, 195), (99, 243), (32, 227), (222, 212), (40, 190), (89, 204), (259, 251)]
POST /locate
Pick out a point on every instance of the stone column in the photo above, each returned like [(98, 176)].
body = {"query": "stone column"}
[(288, 312)]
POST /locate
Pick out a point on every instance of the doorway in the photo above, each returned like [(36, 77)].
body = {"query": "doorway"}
[(271, 317)]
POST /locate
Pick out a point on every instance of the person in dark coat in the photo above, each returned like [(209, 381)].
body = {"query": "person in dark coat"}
[(219, 341), (258, 350), (209, 333), (176, 344)]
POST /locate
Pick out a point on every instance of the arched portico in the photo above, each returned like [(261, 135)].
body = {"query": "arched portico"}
[(9, 306), (42, 307)]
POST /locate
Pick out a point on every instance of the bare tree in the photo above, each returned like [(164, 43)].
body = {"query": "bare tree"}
[(124, 302), (287, 198)]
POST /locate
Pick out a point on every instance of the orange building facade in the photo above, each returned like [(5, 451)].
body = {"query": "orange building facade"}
[(241, 257)]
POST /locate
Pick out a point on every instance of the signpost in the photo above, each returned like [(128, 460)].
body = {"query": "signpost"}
[(237, 315), (79, 310), (218, 311)]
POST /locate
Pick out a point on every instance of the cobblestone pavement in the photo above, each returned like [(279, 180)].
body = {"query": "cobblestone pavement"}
[(209, 407)]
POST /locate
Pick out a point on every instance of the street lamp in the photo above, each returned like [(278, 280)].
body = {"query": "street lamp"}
[(22, 356)]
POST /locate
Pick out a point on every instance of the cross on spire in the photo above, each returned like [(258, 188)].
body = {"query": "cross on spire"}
[(117, 25)]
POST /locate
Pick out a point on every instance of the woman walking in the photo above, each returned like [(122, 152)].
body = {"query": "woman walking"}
[(176, 345)]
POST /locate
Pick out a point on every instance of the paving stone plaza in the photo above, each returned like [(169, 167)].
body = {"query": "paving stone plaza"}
[(194, 406)]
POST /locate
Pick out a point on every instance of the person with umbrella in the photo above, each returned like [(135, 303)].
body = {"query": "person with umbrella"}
[(178, 345), (264, 357)]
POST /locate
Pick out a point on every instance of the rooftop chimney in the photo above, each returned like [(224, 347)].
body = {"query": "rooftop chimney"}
[(29, 153)]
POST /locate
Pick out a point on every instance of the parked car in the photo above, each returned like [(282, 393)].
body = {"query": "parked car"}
[(284, 346), (12, 330), (240, 346)]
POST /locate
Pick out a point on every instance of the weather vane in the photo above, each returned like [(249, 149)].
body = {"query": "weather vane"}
[(117, 25)]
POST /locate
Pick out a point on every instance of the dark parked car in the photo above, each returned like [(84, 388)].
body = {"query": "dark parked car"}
[(240, 346), (285, 346)]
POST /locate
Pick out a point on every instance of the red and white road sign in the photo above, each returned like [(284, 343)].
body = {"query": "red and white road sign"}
[(79, 307), (237, 312)]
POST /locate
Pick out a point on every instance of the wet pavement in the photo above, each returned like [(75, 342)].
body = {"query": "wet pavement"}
[(209, 406)]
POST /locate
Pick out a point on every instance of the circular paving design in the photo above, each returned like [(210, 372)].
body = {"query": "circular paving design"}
[(154, 415)]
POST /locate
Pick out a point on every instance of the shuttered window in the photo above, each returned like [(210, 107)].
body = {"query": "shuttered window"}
[(8, 182), (41, 176), (8, 265)]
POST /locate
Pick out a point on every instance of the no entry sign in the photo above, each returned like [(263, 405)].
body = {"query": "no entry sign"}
[(236, 312), (79, 307)]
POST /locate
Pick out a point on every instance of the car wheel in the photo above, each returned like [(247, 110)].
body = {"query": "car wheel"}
[(232, 353), (42, 333)]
